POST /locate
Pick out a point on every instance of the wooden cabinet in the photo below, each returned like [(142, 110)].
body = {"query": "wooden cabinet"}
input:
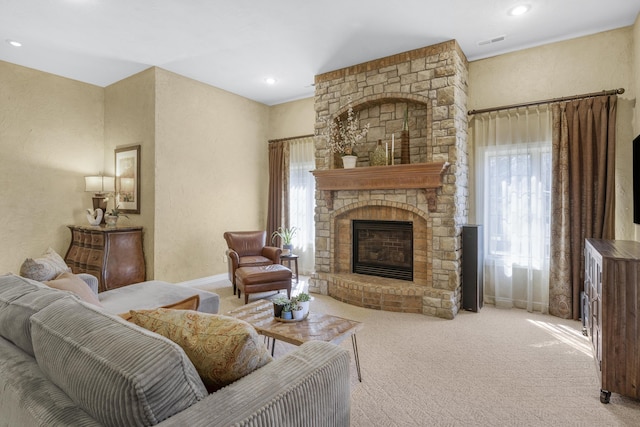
[(113, 255), (612, 287)]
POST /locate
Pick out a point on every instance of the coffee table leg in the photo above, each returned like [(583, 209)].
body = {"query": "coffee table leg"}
[(273, 346), (355, 355)]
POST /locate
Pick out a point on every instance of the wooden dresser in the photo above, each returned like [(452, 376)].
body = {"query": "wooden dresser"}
[(612, 288), (113, 254)]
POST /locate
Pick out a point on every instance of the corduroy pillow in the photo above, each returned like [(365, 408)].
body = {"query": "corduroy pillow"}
[(223, 349), (47, 267)]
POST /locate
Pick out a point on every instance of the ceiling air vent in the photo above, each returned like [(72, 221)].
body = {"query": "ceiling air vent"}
[(492, 40)]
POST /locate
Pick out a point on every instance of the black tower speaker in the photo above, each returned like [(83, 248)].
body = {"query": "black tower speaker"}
[(472, 265), (636, 180)]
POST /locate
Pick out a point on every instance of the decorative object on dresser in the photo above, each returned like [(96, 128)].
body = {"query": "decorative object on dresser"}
[(100, 186), (112, 217), (612, 288), (113, 254), (94, 216), (128, 178)]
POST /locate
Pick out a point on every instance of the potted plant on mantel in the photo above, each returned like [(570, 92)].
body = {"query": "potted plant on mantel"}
[(286, 235), (343, 137)]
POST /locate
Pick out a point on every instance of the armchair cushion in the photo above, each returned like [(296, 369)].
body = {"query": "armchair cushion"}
[(246, 242)]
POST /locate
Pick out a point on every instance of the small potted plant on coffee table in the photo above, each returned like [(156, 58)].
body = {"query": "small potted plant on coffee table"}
[(278, 305), (286, 311), (296, 309), (304, 299)]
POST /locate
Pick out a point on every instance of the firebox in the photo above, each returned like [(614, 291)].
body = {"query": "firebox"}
[(383, 248)]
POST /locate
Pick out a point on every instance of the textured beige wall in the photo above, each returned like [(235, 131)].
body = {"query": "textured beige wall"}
[(211, 174), (583, 65), (296, 118), (51, 136), (130, 120)]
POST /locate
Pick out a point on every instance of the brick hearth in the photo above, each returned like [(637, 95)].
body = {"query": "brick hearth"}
[(431, 83)]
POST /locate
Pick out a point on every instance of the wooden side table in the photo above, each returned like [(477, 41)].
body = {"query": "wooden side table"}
[(288, 259), (113, 254)]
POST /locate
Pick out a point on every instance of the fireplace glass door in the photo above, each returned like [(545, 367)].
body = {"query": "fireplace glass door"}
[(383, 248)]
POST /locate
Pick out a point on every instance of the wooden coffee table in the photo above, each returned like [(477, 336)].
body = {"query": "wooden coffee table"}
[(316, 327)]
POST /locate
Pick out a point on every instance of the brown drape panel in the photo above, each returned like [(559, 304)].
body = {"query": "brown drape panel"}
[(582, 199), (276, 210)]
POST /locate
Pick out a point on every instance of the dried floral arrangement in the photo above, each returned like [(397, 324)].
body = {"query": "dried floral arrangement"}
[(342, 136)]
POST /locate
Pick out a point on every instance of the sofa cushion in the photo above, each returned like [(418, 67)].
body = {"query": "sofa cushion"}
[(223, 349), (44, 268), (117, 372), (68, 281), (154, 294), (28, 398), (20, 298)]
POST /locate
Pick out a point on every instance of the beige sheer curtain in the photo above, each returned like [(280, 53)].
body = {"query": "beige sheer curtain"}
[(512, 150), (583, 193), (278, 187)]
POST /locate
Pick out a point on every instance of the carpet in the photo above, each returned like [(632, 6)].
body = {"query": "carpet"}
[(497, 367)]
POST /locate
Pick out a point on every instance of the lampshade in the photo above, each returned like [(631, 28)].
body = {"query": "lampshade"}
[(99, 184)]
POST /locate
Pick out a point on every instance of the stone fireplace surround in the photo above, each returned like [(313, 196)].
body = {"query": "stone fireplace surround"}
[(431, 84)]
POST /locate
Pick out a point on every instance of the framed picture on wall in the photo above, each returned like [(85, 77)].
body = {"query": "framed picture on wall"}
[(128, 179)]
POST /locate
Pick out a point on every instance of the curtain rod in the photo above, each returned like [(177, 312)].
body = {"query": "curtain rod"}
[(550, 101), (290, 138)]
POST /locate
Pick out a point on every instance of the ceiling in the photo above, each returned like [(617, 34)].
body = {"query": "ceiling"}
[(235, 45)]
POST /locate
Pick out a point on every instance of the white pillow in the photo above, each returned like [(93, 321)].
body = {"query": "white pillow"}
[(48, 267)]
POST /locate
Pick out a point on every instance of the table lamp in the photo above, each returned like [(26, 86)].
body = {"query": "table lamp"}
[(101, 186)]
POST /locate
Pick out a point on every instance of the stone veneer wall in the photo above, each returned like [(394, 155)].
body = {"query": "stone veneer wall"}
[(432, 83)]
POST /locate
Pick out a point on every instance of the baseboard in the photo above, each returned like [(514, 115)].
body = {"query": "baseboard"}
[(204, 280)]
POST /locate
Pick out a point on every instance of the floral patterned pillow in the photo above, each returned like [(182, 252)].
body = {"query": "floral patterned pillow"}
[(47, 267), (223, 349)]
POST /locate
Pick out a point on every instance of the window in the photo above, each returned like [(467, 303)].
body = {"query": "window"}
[(518, 203)]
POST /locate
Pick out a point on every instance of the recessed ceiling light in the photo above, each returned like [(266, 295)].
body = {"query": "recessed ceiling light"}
[(519, 10), (14, 43), (270, 81)]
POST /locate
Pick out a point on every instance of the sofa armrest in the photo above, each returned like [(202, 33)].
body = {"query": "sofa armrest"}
[(309, 386), (273, 253), (90, 280)]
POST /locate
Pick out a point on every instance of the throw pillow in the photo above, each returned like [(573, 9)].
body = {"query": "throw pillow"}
[(45, 268), (191, 303), (223, 349), (70, 282)]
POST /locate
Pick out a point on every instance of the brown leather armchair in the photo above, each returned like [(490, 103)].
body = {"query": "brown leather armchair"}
[(249, 249)]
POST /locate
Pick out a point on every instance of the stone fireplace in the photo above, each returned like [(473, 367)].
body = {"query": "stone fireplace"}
[(429, 85)]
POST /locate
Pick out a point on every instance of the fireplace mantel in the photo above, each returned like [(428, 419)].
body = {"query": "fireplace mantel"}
[(427, 176)]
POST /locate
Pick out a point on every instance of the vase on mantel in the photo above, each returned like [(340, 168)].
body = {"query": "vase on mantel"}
[(379, 155), (349, 162), (405, 149)]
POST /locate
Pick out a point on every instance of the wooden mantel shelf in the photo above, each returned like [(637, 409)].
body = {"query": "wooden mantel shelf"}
[(427, 176)]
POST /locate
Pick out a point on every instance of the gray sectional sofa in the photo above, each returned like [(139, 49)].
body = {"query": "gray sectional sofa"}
[(65, 362)]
